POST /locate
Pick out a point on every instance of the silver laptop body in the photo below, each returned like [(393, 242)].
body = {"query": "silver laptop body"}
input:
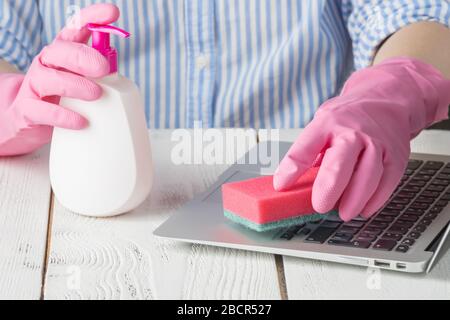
[(202, 221)]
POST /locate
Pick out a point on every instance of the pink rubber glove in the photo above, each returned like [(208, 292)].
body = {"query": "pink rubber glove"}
[(361, 139), (29, 104)]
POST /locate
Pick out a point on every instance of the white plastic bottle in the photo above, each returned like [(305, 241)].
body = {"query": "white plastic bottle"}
[(105, 169)]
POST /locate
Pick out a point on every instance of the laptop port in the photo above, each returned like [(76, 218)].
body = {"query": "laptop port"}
[(382, 264), (401, 266)]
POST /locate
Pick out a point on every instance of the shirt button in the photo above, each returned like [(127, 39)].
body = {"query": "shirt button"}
[(202, 61)]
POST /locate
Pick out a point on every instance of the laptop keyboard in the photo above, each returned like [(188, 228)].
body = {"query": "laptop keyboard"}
[(420, 197)]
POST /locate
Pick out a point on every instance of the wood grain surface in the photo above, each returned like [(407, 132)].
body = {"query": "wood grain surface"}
[(119, 257), (24, 207)]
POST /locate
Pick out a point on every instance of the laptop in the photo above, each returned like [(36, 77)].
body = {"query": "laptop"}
[(408, 234)]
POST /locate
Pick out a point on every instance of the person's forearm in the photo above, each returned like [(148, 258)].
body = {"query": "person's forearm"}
[(426, 41), (5, 67)]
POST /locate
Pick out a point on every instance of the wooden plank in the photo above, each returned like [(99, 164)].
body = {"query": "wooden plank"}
[(24, 209), (120, 258), (309, 279)]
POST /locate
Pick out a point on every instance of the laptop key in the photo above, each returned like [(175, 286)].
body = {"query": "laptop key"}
[(440, 182), (361, 244), (338, 242), (415, 211), (416, 183), (425, 222), (441, 203), (367, 235), (292, 231), (409, 242), (287, 236), (445, 197), (435, 165), (356, 244), (420, 228), (425, 200), (430, 194), (354, 224), (435, 188), (422, 177), (399, 200), (431, 215), (428, 172), (398, 229), (304, 231), (436, 210), (395, 206), (374, 231), (402, 248), (383, 218), (330, 224), (414, 164), (392, 236), (403, 223), (386, 245), (296, 228), (446, 171), (320, 235), (444, 176), (409, 217), (366, 238), (378, 224), (359, 218), (343, 236), (388, 212), (350, 230), (406, 195), (414, 189), (418, 205), (414, 235)]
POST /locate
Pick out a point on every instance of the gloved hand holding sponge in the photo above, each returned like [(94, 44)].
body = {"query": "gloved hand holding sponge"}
[(361, 142), (29, 105)]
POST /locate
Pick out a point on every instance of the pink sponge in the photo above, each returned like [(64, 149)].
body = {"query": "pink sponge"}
[(255, 203)]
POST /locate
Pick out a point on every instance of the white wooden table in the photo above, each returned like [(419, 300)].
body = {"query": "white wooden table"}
[(47, 252)]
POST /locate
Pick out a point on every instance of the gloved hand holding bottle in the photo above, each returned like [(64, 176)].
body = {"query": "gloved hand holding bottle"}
[(29, 106), (361, 139)]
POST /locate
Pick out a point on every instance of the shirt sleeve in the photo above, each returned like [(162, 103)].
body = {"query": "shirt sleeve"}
[(20, 32), (370, 22)]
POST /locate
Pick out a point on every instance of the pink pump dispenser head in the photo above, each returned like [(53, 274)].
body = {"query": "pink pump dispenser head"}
[(101, 42)]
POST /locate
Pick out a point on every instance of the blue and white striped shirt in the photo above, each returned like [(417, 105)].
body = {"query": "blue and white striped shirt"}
[(229, 63)]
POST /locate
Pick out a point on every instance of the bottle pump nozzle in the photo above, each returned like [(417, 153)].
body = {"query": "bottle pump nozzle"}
[(101, 42)]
